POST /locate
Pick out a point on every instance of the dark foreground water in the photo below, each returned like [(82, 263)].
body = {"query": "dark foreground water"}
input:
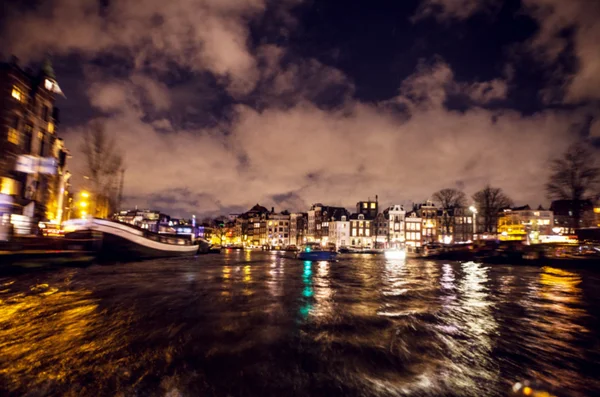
[(256, 324)]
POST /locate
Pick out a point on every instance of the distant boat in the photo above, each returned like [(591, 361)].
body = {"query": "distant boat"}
[(120, 240), (314, 252)]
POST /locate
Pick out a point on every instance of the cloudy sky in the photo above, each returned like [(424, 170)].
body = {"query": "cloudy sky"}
[(220, 104)]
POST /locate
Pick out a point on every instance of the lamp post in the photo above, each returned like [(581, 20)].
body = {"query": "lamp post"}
[(474, 211)]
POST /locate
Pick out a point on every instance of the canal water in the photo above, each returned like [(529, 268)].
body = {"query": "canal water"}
[(259, 324)]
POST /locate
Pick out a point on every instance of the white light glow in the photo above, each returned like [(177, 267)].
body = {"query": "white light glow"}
[(395, 254)]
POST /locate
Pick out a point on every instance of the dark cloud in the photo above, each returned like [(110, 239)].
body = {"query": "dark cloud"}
[(214, 120)]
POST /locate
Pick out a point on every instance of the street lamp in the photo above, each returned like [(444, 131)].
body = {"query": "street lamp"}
[(474, 211)]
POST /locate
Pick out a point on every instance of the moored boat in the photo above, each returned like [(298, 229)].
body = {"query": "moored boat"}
[(314, 252), (123, 241)]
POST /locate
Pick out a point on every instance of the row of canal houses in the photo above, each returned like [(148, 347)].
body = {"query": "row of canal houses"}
[(336, 226), (421, 224), (367, 227)]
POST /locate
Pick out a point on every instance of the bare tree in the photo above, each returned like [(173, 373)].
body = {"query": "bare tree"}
[(489, 201), (574, 177), (449, 199), (104, 164)]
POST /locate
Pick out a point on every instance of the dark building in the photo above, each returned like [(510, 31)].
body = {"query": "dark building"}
[(319, 217), (252, 225), (381, 230), (32, 157), (368, 208), (298, 227), (455, 225), (565, 214)]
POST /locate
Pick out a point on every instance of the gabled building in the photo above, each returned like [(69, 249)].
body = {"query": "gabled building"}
[(319, 217), (381, 231), (339, 232), (428, 213), (298, 228), (413, 224), (361, 230), (396, 227), (278, 229)]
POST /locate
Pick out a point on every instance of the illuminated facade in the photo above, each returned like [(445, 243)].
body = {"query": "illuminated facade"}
[(278, 230), (523, 224), (395, 216), (339, 232), (33, 175), (298, 228), (412, 234), (361, 231), (429, 214)]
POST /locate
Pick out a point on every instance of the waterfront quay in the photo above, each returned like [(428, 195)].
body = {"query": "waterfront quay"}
[(248, 323)]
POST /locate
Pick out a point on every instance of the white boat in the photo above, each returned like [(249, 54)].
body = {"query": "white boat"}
[(120, 240)]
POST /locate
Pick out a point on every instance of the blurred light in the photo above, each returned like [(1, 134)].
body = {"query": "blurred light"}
[(473, 209), (85, 194), (517, 386), (83, 204), (395, 254), (527, 390)]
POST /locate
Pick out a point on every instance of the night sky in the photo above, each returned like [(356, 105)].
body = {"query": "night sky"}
[(220, 104)]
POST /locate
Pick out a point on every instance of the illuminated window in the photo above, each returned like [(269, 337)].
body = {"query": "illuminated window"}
[(353, 232), (367, 232), (373, 205), (417, 236), (9, 186), (17, 94), (13, 136), (365, 205)]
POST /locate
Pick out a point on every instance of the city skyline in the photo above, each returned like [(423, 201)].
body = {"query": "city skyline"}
[(220, 105)]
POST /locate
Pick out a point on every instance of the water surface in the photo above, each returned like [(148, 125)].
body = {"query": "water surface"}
[(259, 324)]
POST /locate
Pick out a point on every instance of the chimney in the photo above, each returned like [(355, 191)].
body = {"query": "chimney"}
[(272, 210)]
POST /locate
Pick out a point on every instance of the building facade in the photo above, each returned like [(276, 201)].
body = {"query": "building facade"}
[(339, 232), (396, 226), (564, 215), (278, 230), (381, 231), (413, 224), (429, 214), (298, 228), (525, 224), (361, 231), (319, 217), (33, 174)]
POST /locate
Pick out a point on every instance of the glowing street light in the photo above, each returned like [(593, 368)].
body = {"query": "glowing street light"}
[(85, 194)]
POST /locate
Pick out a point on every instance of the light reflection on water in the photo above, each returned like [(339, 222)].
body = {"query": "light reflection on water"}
[(253, 323)]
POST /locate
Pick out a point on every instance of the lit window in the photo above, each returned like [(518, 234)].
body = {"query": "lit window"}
[(13, 136), (365, 205), (367, 232), (17, 94), (8, 186), (417, 236), (373, 205)]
